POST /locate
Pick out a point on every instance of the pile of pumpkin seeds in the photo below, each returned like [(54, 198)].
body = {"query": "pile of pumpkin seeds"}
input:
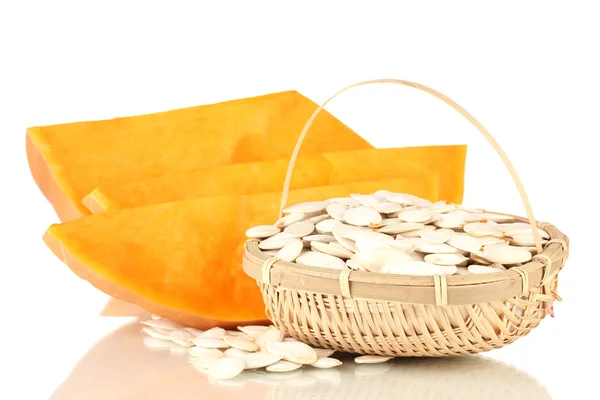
[(397, 233), (224, 354)]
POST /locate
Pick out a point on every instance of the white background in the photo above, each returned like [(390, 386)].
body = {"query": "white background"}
[(527, 70)]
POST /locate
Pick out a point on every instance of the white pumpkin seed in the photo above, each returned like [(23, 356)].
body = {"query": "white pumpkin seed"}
[(387, 207), (283, 366), (262, 231), (157, 333), (352, 264), (367, 200), (462, 271), (336, 211), (290, 251), (210, 343), (419, 215), (326, 362), (271, 335), (261, 359), (417, 233), (405, 247), (479, 260), (236, 353), (318, 218), (296, 352), (401, 227), (441, 207), (374, 259), (308, 207), (497, 253), (289, 219), (342, 252), (253, 330), (450, 221), (201, 352), (321, 353), (274, 243), (226, 368), (465, 242), (496, 217), (348, 201), (362, 216), (182, 337), (437, 236), (317, 259), (194, 331), (319, 238), (327, 225), (431, 248), (300, 229), (241, 343), (445, 259), (371, 359), (402, 199), (413, 268), (481, 228), (365, 245), (213, 333)]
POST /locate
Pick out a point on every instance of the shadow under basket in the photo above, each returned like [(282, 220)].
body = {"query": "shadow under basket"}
[(402, 315)]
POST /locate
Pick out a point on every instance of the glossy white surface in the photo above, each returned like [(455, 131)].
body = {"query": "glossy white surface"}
[(120, 366)]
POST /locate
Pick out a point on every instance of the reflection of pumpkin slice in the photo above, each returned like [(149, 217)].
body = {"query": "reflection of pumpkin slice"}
[(69, 160), (182, 260), (268, 176)]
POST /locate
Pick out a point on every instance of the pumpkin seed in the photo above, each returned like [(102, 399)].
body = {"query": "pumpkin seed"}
[(194, 331), (271, 335), (462, 271), (362, 216), (210, 343), (182, 337), (296, 352), (342, 253), (213, 333), (497, 253), (241, 343), (481, 228), (290, 251), (419, 215), (348, 201), (437, 236), (336, 211), (311, 206), (283, 366), (262, 231), (465, 242), (226, 368), (352, 264), (374, 259), (445, 259), (289, 219), (371, 359), (253, 330), (300, 229), (417, 233), (157, 333), (402, 199), (327, 225), (261, 359), (317, 259), (201, 352), (450, 222), (367, 200), (401, 227), (236, 353), (319, 238), (387, 208), (326, 362), (275, 243)]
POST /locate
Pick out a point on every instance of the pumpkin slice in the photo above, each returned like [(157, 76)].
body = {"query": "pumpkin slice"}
[(68, 161), (182, 260), (447, 162)]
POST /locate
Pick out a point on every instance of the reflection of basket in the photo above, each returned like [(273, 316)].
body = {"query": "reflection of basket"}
[(459, 378), (399, 315)]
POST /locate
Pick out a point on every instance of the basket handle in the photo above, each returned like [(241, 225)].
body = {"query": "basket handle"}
[(451, 103)]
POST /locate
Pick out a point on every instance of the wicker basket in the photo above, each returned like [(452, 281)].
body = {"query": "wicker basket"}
[(398, 315)]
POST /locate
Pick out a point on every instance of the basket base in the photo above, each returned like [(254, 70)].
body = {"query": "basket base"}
[(399, 329)]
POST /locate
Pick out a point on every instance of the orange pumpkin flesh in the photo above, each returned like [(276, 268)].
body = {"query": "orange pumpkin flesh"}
[(182, 260), (70, 160), (446, 162)]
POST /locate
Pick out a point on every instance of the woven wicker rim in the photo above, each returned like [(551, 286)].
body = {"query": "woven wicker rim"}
[(440, 290)]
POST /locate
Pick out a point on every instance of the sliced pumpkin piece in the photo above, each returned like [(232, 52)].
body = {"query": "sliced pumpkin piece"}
[(68, 161), (182, 260), (446, 162)]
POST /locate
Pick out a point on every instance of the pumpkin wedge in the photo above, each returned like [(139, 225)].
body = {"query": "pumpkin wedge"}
[(446, 162), (70, 160), (182, 260)]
